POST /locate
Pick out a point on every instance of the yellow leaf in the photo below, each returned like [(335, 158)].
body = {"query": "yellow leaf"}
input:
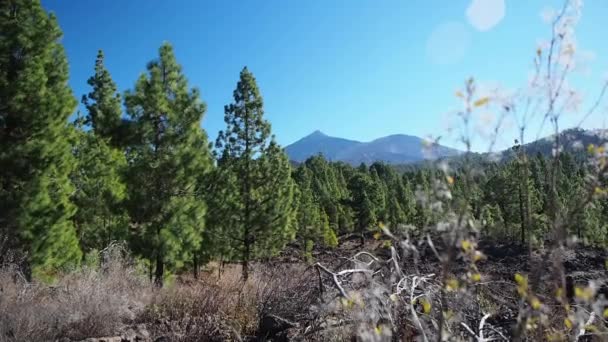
[(606, 313), (554, 336), (478, 256), (377, 235), (522, 284), (585, 294), (591, 148), (466, 244), (450, 180), (426, 305), (393, 297), (559, 293), (452, 284), (481, 102), (378, 330), (459, 94), (347, 303), (476, 277), (568, 323), (535, 303)]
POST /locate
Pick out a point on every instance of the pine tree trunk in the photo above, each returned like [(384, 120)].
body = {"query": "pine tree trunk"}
[(26, 269), (220, 268), (195, 267), (247, 193), (361, 235), (150, 271), (160, 270), (245, 271)]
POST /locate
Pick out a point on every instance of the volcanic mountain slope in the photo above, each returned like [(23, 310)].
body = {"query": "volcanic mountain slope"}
[(392, 149)]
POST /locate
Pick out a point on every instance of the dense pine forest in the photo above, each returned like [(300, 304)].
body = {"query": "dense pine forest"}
[(135, 168)]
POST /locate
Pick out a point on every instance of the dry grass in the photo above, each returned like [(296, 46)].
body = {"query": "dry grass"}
[(87, 303), (101, 302), (225, 308), (227, 298)]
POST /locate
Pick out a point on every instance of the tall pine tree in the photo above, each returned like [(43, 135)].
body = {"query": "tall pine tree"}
[(103, 103), (168, 155), (100, 189), (362, 188), (261, 218), (35, 156)]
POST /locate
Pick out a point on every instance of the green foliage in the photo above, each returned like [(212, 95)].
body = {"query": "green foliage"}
[(99, 175), (147, 177), (328, 185), (35, 158), (363, 192), (99, 192), (167, 159), (329, 236), (103, 104), (308, 246), (491, 221), (260, 215)]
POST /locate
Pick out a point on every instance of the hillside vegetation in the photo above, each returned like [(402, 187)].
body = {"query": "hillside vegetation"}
[(127, 224)]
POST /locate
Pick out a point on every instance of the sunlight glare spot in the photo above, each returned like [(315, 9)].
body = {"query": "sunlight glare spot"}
[(483, 15), (448, 43)]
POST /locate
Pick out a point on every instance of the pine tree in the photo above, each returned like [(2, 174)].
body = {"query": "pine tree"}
[(395, 215), (313, 222), (168, 156), (35, 158), (264, 218), (491, 221), (361, 186), (330, 189), (308, 218), (99, 177), (221, 194), (100, 191), (422, 192), (103, 104), (379, 195), (406, 199), (506, 188)]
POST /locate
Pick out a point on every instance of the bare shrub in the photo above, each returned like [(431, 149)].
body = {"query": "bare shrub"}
[(226, 308), (91, 302)]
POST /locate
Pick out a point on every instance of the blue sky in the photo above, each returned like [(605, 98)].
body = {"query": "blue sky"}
[(357, 69)]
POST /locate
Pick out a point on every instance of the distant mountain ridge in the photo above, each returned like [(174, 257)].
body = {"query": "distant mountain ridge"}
[(392, 149), (401, 149), (573, 140)]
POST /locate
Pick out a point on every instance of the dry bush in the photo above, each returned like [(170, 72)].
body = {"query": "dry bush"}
[(91, 302), (226, 308), (227, 298)]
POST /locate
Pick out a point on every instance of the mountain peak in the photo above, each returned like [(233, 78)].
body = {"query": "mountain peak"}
[(317, 133), (393, 149)]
